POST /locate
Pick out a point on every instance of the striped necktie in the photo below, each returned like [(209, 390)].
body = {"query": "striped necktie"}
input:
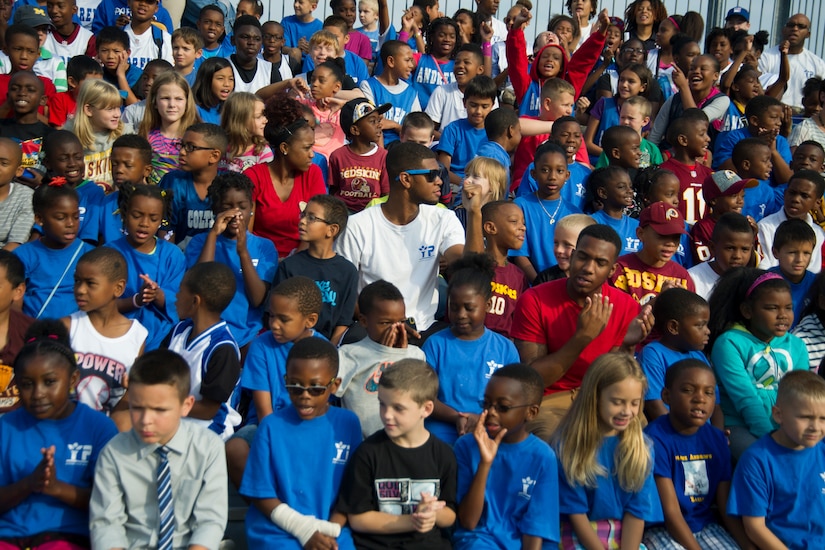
[(166, 509)]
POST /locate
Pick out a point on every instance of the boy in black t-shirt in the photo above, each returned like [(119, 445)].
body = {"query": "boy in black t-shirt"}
[(25, 94), (323, 219), (400, 486)]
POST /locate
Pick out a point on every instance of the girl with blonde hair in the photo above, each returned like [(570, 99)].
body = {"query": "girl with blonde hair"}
[(486, 178), (243, 120), (97, 124), (170, 110), (606, 486)]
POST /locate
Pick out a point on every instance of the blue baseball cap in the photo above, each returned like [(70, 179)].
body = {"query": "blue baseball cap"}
[(738, 11)]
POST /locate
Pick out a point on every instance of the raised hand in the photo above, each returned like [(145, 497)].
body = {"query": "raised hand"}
[(594, 316), (485, 31), (522, 19), (487, 447), (471, 196)]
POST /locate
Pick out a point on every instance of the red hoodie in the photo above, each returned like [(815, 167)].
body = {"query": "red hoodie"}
[(574, 71)]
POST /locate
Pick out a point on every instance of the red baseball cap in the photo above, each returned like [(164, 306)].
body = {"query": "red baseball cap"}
[(664, 218)]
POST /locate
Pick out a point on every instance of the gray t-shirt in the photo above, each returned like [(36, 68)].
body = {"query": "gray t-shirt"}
[(16, 215), (361, 365)]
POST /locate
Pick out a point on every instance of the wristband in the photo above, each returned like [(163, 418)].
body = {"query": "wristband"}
[(134, 301), (403, 36), (487, 49)]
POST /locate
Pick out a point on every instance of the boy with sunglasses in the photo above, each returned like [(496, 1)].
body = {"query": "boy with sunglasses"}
[(294, 306), (299, 456)]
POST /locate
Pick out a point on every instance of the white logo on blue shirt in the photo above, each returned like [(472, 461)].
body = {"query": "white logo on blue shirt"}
[(527, 485), (78, 454), (341, 453), (492, 367), (579, 189)]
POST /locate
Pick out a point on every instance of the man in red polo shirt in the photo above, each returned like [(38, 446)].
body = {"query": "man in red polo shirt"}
[(560, 327)]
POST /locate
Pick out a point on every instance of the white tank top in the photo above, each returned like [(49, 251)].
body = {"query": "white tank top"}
[(103, 361), (262, 78)]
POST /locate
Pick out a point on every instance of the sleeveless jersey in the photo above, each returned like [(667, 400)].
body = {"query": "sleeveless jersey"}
[(102, 361), (262, 78), (197, 354)]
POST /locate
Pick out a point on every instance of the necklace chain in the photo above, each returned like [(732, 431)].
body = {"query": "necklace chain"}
[(553, 217)]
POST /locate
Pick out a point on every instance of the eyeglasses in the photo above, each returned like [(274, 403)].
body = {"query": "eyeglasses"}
[(633, 50), (499, 408), (430, 175), (191, 147), (298, 390), (312, 218), (273, 37), (792, 25)]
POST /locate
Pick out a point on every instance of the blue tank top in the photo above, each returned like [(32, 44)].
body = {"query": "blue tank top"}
[(401, 104), (430, 74)]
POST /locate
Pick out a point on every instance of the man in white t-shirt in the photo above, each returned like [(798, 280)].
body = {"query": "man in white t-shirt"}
[(486, 11), (804, 63), (147, 43), (403, 239)]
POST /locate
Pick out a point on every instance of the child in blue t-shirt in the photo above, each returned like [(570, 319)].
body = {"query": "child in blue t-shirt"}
[(253, 259), (567, 134), (63, 158), (48, 447), (793, 246), (300, 27), (692, 467), (606, 486), (751, 158), (201, 150), (392, 85), (683, 333), (131, 161), (542, 210), (461, 139), (777, 486), (609, 196), (507, 477), (466, 355), (294, 306), (298, 458), (155, 266), (50, 261)]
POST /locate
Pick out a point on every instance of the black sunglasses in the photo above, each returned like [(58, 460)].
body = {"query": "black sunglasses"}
[(499, 408), (298, 390)]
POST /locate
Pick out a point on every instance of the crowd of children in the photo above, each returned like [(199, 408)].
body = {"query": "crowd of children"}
[(409, 287)]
